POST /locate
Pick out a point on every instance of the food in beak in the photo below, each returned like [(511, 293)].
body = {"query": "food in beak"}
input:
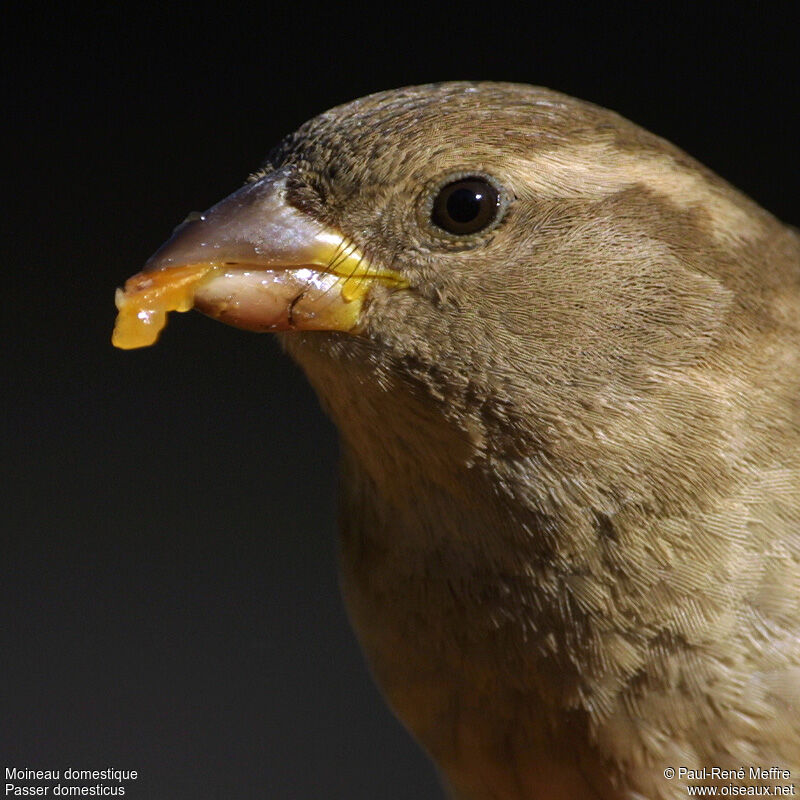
[(255, 262)]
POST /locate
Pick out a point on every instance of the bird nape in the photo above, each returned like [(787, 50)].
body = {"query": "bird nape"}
[(564, 362)]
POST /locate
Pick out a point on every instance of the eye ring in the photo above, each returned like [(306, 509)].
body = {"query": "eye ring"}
[(469, 218), (466, 205)]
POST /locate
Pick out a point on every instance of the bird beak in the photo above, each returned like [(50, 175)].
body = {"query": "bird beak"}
[(255, 262)]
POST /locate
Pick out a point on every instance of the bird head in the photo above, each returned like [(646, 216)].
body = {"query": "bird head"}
[(473, 271)]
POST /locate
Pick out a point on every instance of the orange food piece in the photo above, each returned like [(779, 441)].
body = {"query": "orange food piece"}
[(149, 296)]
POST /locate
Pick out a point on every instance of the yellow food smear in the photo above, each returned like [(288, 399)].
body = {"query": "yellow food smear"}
[(149, 296)]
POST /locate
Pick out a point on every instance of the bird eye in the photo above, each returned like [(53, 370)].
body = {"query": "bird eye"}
[(465, 206)]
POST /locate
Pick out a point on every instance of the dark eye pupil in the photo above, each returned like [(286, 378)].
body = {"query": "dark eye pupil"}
[(465, 206)]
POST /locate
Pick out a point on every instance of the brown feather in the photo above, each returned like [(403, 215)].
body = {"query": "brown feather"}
[(571, 476)]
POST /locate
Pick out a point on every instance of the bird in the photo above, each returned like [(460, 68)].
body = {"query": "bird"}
[(563, 359)]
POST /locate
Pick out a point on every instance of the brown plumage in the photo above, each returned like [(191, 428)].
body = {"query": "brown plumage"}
[(570, 523)]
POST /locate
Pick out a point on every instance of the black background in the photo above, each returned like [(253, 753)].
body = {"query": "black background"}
[(169, 595)]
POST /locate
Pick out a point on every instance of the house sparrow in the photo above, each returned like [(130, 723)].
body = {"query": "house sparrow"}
[(564, 361)]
